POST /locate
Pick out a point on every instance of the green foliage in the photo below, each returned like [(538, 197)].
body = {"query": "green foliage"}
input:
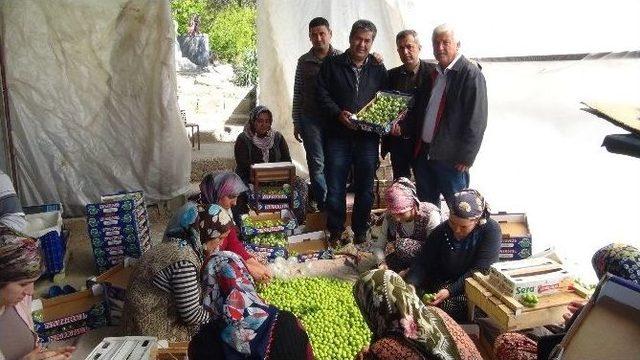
[(233, 33), (247, 71), (231, 26)]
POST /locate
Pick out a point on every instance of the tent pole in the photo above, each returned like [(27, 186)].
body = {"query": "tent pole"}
[(7, 116)]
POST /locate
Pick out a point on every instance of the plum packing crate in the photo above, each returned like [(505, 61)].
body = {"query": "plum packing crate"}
[(272, 176), (306, 247), (381, 129), (118, 227), (285, 217), (539, 276), (516, 236), (68, 316)]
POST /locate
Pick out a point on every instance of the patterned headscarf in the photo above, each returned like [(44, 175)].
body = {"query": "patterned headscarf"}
[(390, 307), (231, 298), (219, 184), (181, 227), (20, 257), (469, 204), (401, 196), (618, 259), (264, 143), (213, 221)]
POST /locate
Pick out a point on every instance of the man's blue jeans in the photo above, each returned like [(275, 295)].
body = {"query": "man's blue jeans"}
[(313, 138), (435, 177), (362, 152)]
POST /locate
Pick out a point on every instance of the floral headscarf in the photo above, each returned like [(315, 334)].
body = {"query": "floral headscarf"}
[(231, 298), (20, 257), (181, 227), (264, 143), (401, 196), (469, 204), (213, 221), (618, 259), (220, 184), (391, 307)]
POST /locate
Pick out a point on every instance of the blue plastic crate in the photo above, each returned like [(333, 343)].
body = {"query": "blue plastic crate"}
[(54, 247)]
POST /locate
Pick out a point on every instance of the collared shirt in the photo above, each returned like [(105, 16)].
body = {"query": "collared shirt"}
[(437, 92), (357, 70)]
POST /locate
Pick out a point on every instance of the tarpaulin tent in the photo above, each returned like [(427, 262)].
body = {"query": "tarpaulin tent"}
[(91, 88), (541, 154)]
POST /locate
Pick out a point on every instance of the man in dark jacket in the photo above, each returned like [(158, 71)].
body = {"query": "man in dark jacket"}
[(308, 123), (452, 116), (407, 78), (346, 83)]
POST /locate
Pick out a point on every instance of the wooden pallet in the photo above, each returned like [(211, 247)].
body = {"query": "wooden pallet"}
[(509, 313), (175, 351)]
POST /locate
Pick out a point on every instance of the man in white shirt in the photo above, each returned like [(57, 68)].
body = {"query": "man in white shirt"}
[(451, 113)]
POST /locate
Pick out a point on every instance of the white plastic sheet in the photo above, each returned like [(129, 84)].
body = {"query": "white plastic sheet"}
[(93, 104), (541, 154)]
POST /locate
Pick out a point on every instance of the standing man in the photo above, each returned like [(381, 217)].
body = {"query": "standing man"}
[(407, 78), (452, 115), (346, 83), (308, 122)]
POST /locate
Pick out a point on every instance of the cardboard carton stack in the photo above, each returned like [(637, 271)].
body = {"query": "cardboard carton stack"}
[(118, 227)]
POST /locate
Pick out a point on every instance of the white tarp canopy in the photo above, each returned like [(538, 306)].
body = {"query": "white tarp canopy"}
[(93, 105), (541, 154)]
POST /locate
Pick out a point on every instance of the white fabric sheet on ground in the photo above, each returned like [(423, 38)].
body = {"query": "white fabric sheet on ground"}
[(92, 91), (540, 154)]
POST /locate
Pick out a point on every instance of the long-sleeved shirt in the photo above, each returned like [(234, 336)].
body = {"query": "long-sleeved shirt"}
[(181, 280), (305, 86), (232, 243), (445, 262)]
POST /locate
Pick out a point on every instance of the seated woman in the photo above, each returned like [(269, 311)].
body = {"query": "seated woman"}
[(617, 259), (223, 189), (259, 143), (164, 294), (403, 327), (468, 242), (242, 325), (20, 266), (406, 225)]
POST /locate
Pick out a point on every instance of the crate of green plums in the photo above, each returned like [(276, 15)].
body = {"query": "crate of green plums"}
[(381, 112)]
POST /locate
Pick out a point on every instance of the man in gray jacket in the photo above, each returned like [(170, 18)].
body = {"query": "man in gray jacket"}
[(451, 114)]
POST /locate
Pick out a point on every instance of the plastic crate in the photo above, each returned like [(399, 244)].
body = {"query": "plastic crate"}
[(44, 222), (54, 247)]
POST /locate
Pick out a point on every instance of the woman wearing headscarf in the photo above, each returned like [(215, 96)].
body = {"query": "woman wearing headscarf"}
[(164, 297), (242, 325), (406, 225), (20, 266), (259, 143), (403, 327), (223, 189), (617, 259), (467, 242)]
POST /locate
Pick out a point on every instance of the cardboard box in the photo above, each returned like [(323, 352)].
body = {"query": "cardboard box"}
[(114, 283), (310, 246), (318, 221), (539, 276), (307, 246), (68, 316), (608, 327), (516, 236), (126, 347)]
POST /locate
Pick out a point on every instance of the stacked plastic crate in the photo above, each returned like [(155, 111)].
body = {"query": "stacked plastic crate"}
[(118, 227)]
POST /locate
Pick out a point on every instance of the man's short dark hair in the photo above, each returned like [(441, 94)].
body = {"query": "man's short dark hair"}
[(405, 33), (319, 21), (363, 25)]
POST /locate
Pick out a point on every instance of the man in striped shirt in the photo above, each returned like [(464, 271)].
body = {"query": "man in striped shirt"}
[(308, 121)]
